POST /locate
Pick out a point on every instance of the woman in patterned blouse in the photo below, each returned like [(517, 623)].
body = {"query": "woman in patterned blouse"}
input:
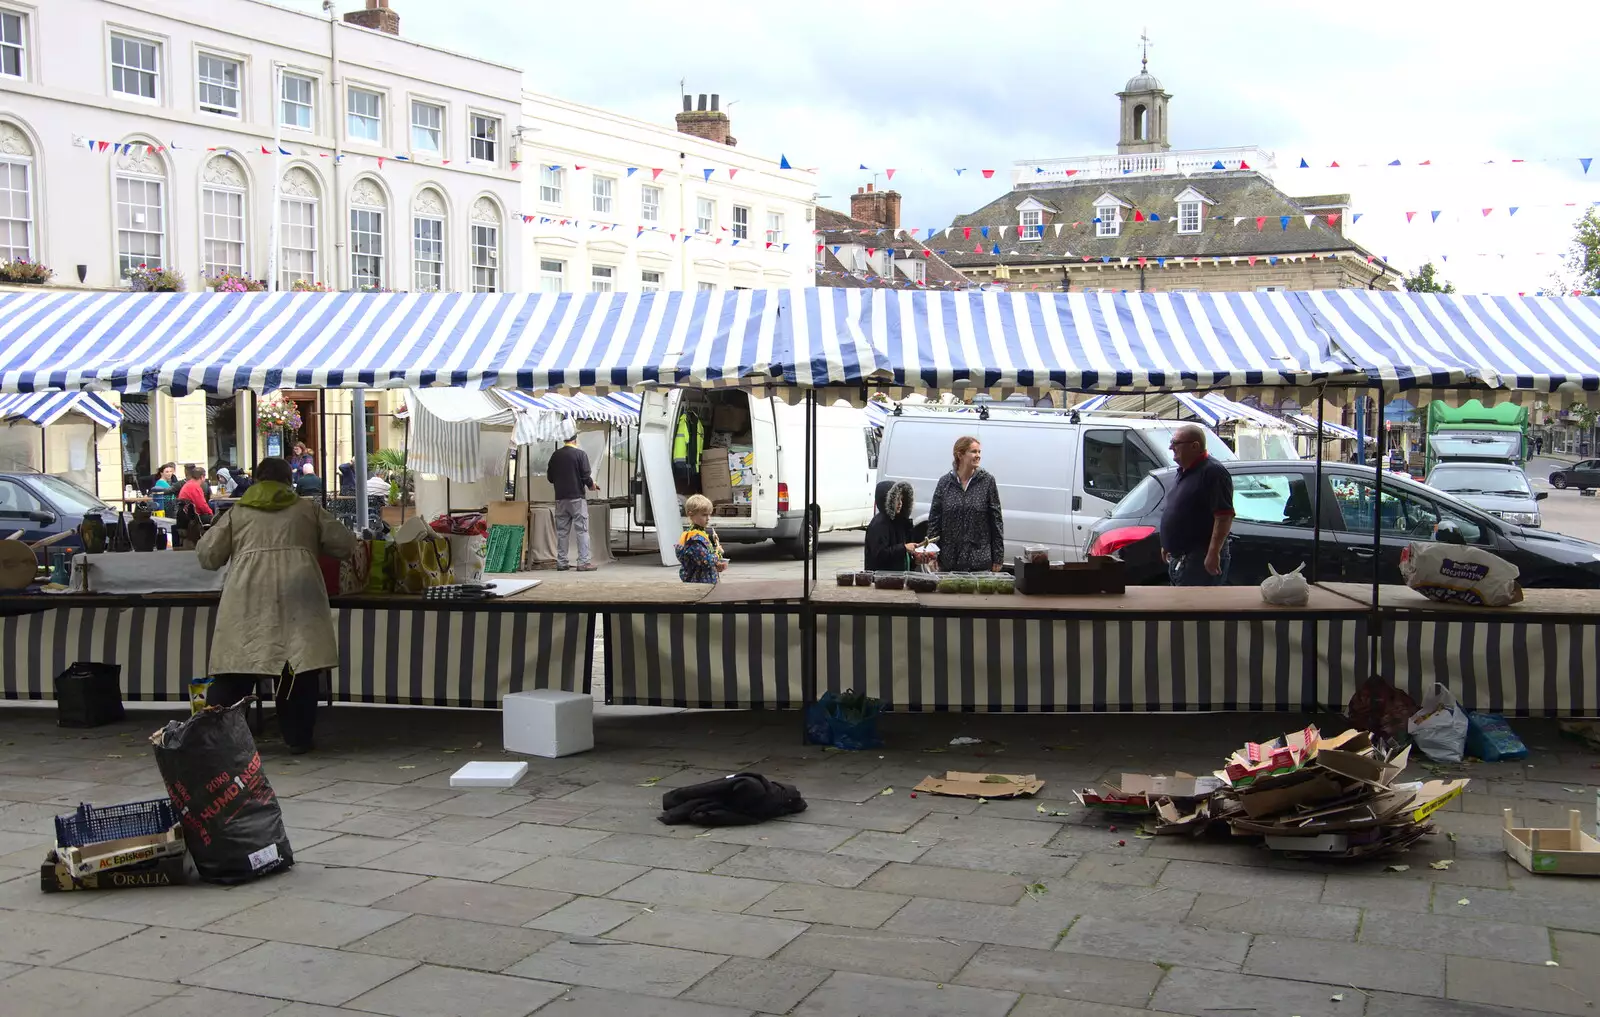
[(965, 518)]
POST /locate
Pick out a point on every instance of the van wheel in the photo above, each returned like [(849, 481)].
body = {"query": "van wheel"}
[(797, 547)]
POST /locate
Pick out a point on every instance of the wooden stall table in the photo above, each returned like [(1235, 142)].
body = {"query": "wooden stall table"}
[(1536, 658)]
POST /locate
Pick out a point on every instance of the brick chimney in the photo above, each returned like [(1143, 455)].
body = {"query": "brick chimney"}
[(711, 124), (881, 208), (376, 16)]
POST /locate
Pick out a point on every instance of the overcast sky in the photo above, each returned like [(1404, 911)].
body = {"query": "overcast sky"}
[(928, 86)]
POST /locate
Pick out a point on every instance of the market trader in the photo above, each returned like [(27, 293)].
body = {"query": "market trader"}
[(1198, 514), (274, 600)]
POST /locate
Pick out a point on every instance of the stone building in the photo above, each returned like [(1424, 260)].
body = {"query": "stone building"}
[(865, 249), (1154, 218)]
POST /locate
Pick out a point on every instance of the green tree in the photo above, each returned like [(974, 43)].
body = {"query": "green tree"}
[(1426, 280), (1585, 416), (1581, 271)]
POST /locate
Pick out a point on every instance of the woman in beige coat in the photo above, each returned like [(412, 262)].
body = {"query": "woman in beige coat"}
[(274, 613)]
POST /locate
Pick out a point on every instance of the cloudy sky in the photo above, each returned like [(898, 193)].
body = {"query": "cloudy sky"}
[(928, 86)]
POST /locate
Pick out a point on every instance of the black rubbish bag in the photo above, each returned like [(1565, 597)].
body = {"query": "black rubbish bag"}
[(230, 815), (736, 800)]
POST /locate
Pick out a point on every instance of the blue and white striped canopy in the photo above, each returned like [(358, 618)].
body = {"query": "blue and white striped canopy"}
[(1330, 428), (1428, 339), (621, 408), (1214, 408), (45, 408)]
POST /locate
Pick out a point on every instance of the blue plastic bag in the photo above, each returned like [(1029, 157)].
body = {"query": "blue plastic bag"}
[(848, 721), (1491, 739)]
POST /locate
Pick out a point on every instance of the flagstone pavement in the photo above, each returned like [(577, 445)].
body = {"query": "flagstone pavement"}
[(565, 897)]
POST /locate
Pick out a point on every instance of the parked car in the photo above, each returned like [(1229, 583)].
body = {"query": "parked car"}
[(1273, 526), (1498, 489), (1585, 476), (41, 505), (1058, 473)]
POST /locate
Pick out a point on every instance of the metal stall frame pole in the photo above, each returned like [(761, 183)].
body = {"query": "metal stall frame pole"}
[(255, 433), (1316, 501), (405, 471), (322, 441), (358, 448), (808, 614), (1375, 636)]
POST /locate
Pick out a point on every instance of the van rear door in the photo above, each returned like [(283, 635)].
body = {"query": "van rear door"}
[(1113, 461), (658, 419), (1033, 464)]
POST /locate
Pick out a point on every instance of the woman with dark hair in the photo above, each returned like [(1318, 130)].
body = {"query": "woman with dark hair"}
[(274, 601), (890, 547), (965, 518)]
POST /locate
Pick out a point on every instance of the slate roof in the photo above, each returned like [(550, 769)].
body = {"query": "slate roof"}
[(836, 229), (1245, 194)]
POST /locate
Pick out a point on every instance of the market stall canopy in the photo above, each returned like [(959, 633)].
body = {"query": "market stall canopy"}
[(619, 408), (45, 408), (462, 434), (1308, 424), (1412, 340)]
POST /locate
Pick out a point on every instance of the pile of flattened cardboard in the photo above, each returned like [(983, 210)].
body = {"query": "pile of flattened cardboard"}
[(1337, 797)]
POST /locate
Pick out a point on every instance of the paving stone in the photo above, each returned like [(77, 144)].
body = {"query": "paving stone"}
[(547, 813), (872, 952), (1368, 967), (1382, 891), (871, 815), (796, 836), (1517, 907), (798, 866), (1203, 877), (337, 885), (1189, 849), (591, 1002), (301, 838), (1025, 924), (29, 818), (1208, 993), (1394, 1004), (460, 829), (850, 992), (1009, 832), (384, 772), (1273, 917), (453, 861), (1051, 1006), (695, 890), (474, 901), (307, 922), (635, 820), (1133, 870), (454, 943), (161, 954), (885, 847), (574, 875), (46, 939), (799, 902), (1160, 942), (660, 852), (7, 969), (951, 884), (307, 974), (318, 815), (349, 849), (175, 907), (388, 823), (606, 793), (347, 792), (1037, 862), (1068, 897), (767, 986), (481, 804), (612, 964), (587, 916), (1465, 937), (448, 992), (736, 935), (1073, 976), (1574, 949), (41, 991), (538, 841), (1534, 987), (197, 1002), (409, 797)]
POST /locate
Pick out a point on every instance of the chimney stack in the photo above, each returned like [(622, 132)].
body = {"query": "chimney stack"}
[(706, 121), (376, 16), (881, 208)]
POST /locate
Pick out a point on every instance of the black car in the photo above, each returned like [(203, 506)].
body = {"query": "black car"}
[(1585, 476), (41, 505), (1273, 526)]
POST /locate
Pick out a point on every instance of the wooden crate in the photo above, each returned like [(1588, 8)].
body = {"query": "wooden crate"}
[(1553, 851)]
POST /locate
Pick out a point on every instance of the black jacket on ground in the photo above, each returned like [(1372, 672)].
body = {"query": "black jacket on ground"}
[(890, 529)]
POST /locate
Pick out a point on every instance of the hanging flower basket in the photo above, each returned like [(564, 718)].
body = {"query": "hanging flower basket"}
[(228, 283), (302, 286), (276, 413), (21, 270), (145, 279)]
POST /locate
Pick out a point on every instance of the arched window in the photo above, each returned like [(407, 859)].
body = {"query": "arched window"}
[(427, 241), (298, 199), (485, 246), (1139, 114), (16, 195), (140, 179), (367, 209), (222, 218)]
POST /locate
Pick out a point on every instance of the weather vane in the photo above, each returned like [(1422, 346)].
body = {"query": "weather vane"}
[(1144, 49)]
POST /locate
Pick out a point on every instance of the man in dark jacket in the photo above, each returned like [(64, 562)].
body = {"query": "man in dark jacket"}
[(308, 484), (569, 475), (1198, 515)]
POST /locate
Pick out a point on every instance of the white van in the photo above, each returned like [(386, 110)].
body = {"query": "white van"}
[(769, 487), (1058, 474)]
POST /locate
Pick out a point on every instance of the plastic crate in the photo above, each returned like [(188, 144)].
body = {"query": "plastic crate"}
[(92, 824)]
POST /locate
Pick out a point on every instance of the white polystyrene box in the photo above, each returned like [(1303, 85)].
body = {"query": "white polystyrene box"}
[(489, 774), (548, 722)]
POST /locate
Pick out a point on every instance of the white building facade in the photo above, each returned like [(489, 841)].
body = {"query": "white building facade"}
[(608, 201)]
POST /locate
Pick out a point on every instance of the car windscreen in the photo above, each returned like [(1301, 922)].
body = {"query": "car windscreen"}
[(1461, 480), (1160, 441), (1140, 501), (69, 497)]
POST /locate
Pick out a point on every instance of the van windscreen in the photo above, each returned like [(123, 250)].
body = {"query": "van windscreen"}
[(1160, 440)]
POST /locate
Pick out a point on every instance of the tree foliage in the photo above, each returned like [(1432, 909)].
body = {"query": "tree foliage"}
[(1426, 280), (1581, 271)]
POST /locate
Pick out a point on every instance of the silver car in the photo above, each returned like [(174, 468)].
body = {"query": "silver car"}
[(1498, 488)]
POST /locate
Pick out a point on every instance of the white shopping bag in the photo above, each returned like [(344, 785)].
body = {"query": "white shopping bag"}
[(1439, 729), (1288, 589)]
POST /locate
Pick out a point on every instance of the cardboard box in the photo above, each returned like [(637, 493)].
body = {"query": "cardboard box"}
[(957, 784), (115, 854), (1551, 851), (55, 875), (508, 513), (731, 417), (741, 458), (716, 481), (1177, 785)]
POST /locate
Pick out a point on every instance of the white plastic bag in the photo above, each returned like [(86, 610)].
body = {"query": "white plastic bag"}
[(1459, 574), (1439, 729), (1288, 589)]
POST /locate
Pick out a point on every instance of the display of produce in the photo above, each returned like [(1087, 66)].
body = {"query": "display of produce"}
[(847, 578), (1037, 553), (865, 578), (922, 582), (890, 581), (958, 582)]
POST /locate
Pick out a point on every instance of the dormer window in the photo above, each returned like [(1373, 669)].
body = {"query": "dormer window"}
[(1032, 226), (1108, 220), (1188, 217)]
